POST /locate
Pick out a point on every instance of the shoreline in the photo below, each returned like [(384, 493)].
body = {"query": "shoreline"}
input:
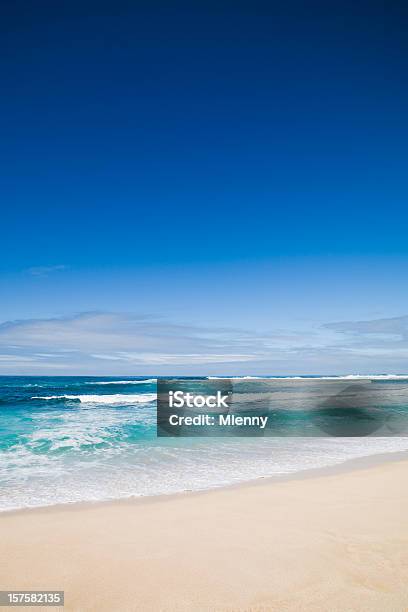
[(350, 465)]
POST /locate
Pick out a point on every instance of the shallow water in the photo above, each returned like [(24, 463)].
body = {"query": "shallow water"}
[(70, 439)]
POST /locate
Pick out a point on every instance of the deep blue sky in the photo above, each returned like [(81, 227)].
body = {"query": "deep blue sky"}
[(151, 145)]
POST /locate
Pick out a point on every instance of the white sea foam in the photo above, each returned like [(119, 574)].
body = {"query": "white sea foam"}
[(80, 431), (118, 398), (173, 466)]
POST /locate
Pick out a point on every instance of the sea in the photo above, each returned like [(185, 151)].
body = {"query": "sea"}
[(65, 440)]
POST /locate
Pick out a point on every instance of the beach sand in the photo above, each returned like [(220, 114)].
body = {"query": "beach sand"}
[(336, 542)]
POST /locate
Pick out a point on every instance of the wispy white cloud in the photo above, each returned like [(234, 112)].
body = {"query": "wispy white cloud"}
[(395, 328), (114, 343), (46, 270), (123, 341), (176, 359)]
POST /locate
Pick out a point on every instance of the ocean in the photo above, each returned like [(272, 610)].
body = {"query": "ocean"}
[(86, 439)]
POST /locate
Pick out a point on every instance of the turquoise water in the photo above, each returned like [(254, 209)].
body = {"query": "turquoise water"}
[(70, 439)]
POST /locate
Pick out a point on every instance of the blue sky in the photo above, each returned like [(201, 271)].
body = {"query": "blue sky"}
[(216, 188)]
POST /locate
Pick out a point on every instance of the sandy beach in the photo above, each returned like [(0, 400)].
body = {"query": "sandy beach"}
[(335, 542)]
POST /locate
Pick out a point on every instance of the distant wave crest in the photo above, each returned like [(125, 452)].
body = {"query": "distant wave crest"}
[(345, 377), (119, 398), (124, 382)]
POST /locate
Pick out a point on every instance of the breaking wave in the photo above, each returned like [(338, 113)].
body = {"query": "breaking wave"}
[(141, 398), (124, 382)]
